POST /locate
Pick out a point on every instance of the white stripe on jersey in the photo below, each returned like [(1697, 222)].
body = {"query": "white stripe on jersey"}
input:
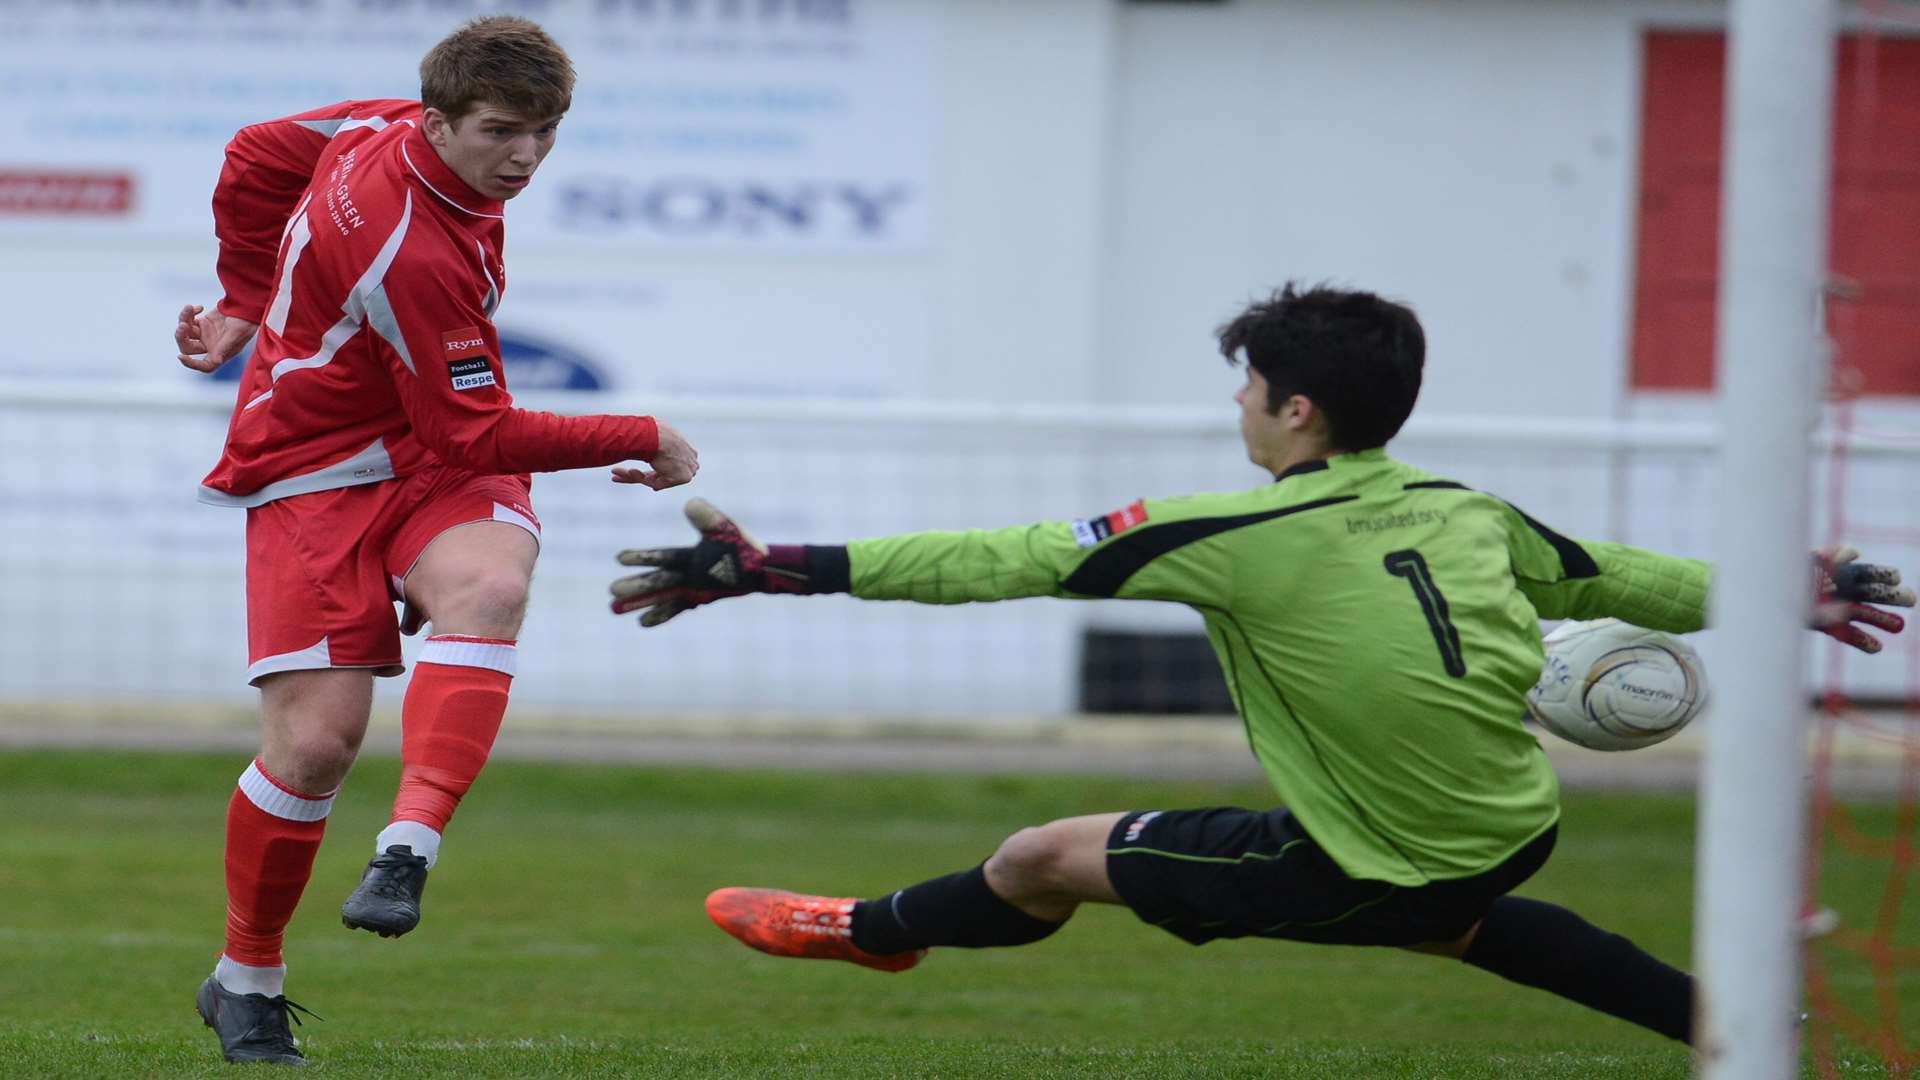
[(355, 305), (330, 128), (297, 211), (493, 287), (339, 334), (380, 316), (369, 466), (299, 234), (423, 180)]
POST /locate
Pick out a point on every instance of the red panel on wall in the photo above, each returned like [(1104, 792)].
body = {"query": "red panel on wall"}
[(1875, 247)]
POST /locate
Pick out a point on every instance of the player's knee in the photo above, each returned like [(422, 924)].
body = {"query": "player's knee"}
[(318, 761), (502, 600), (489, 602), (1029, 860)]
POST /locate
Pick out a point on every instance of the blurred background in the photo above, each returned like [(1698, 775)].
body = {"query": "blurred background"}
[(908, 264)]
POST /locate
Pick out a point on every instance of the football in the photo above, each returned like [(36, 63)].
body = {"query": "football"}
[(1610, 685)]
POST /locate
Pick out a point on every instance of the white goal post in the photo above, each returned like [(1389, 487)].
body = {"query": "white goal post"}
[(1753, 807)]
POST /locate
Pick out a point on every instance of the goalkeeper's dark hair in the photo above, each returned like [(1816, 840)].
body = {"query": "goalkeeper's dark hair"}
[(1356, 356)]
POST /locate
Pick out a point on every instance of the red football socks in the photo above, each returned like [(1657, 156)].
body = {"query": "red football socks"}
[(273, 833), (452, 712)]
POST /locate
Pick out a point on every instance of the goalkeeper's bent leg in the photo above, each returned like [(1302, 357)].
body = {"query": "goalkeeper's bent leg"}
[(1550, 948), (958, 909), (1025, 892)]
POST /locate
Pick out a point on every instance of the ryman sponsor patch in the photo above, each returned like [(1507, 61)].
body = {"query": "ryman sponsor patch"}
[(465, 350), (462, 343), (1093, 530)]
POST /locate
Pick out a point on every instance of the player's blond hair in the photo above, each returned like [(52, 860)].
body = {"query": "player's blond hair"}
[(500, 60)]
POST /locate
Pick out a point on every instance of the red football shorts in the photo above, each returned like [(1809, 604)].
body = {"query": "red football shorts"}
[(324, 568)]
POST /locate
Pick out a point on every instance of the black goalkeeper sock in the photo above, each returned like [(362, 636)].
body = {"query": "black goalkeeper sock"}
[(959, 909), (1553, 949)]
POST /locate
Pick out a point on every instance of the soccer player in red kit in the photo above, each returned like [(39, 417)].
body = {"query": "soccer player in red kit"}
[(380, 458)]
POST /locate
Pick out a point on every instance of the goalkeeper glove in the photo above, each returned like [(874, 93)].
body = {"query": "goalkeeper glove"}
[(1844, 589), (726, 562)]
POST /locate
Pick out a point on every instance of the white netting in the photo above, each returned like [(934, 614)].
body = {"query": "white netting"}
[(1863, 962)]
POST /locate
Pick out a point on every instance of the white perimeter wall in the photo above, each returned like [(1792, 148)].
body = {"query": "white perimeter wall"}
[(1474, 158)]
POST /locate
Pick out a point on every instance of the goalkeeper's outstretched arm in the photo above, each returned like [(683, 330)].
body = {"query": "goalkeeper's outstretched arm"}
[(978, 565), (1584, 579)]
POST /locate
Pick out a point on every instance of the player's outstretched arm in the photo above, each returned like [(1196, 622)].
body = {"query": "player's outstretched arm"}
[(207, 339), (674, 463), (452, 383), (1845, 591), (725, 562)]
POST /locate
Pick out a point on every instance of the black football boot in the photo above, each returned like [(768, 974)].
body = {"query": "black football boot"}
[(387, 900), (252, 1027)]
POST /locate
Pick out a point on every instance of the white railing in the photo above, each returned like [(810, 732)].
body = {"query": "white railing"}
[(117, 585)]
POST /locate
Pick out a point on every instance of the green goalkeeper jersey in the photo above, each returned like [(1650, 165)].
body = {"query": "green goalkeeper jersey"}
[(1378, 627)]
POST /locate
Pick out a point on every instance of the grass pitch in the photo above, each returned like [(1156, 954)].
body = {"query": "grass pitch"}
[(563, 936)]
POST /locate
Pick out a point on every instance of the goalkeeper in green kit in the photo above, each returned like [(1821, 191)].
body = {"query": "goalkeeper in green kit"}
[(1378, 627)]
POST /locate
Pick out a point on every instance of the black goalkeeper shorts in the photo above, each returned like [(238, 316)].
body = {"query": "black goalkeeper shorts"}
[(1228, 873)]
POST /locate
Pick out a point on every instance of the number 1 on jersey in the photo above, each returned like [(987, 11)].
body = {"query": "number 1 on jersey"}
[(1409, 564)]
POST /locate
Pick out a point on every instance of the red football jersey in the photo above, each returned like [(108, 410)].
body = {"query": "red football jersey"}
[(373, 272)]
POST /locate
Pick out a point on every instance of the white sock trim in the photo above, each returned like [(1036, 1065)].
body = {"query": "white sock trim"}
[(237, 978), (500, 656), (264, 792), (423, 839)]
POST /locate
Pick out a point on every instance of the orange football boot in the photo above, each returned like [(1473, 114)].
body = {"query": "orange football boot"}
[(782, 923)]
